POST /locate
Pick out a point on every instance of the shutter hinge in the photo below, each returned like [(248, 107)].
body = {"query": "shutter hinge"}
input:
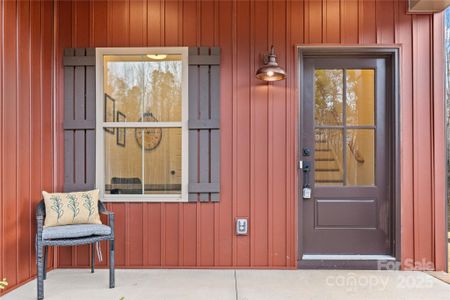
[(300, 164)]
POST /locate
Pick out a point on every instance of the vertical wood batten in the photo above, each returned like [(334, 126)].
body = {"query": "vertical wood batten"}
[(206, 211), (241, 134), (331, 21), (136, 230), (233, 133), (404, 37), (349, 21), (279, 98), (10, 152), (290, 137), (258, 221), (367, 22), (189, 219), (422, 146), (439, 142), (297, 38), (24, 143), (385, 21), (225, 228), (252, 117), (269, 189), (2, 232), (36, 118), (313, 21), (64, 24)]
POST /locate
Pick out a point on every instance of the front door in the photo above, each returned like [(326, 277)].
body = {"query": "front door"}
[(344, 148)]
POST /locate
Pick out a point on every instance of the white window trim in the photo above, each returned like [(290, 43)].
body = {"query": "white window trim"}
[(100, 124)]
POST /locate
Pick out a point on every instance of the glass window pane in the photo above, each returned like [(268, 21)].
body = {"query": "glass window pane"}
[(360, 97), (162, 166), (360, 157), (123, 162), (328, 86), (328, 157), (141, 86)]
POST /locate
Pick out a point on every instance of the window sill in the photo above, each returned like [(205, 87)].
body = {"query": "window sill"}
[(143, 198)]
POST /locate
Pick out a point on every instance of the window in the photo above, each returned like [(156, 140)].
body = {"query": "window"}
[(142, 124)]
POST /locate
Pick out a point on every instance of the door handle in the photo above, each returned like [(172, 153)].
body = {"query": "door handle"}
[(306, 192), (306, 167)]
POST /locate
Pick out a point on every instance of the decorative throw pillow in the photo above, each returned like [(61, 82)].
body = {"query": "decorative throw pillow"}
[(71, 208)]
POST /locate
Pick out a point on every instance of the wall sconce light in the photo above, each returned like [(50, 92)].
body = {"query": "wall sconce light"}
[(270, 71)]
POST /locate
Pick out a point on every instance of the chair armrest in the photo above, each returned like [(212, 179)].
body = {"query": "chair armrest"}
[(102, 209), (40, 209), (40, 216)]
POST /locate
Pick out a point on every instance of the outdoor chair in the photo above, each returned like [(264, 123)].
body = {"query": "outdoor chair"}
[(71, 235)]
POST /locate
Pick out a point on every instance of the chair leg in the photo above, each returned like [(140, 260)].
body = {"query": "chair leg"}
[(112, 282), (40, 269), (92, 257), (44, 267)]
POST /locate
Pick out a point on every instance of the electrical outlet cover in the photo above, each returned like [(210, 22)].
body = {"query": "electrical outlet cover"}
[(242, 226)]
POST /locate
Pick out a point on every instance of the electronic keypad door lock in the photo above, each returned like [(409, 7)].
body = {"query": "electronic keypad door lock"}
[(307, 191)]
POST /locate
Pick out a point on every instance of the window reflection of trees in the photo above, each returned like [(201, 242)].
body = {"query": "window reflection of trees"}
[(353, 83), (145, 86), (328, 86)]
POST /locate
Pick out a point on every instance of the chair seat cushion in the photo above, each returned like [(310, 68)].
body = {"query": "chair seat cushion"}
[(75, 231)]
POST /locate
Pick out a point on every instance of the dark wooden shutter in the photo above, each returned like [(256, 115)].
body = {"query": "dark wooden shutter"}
[(204, 124), (79, 119)]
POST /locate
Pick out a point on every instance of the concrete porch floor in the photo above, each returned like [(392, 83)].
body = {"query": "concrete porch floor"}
[(239, 284)]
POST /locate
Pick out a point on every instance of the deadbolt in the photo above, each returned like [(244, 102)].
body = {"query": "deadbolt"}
[(306, 151)]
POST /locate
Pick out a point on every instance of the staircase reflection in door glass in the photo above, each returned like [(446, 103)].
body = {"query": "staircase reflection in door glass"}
[(328, 157), (360, 157), (360, 97)]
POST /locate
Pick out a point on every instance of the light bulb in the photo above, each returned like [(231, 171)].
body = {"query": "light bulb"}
[(270, 73), (157, 56)]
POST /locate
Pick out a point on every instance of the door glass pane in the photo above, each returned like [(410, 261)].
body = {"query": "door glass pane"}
[(360, 157), (143, 85), (328, 86), (360, 96), (328, 157), (162, 162), (123, 162)]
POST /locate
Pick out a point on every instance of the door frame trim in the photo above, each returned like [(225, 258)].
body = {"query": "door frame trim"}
[(392, 51)]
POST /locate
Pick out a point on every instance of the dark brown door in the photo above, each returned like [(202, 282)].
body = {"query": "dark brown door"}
[(344, 148)]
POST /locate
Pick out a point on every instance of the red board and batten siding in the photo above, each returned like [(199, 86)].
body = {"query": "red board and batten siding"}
[(26, 126), (258, 124)]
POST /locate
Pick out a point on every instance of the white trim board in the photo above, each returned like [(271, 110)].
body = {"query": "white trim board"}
[(100, 124), (346, 257)]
